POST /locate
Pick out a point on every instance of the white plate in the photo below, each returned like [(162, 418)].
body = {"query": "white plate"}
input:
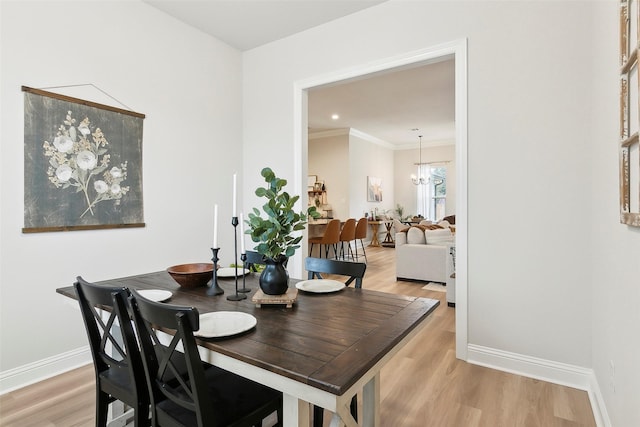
[(231, 272), (321, 286), (157, 295), (224, 324)]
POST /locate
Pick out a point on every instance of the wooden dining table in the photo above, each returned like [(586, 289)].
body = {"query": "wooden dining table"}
[(321, 351)]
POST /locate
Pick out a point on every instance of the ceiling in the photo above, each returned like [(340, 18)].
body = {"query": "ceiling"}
[(245, 24), (386, 105), (396, 106)]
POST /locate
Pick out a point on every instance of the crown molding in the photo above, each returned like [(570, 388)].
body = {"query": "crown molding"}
[(351, 132)]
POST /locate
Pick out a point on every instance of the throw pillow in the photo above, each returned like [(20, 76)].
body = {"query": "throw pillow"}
[(438, 236), (415, 236)]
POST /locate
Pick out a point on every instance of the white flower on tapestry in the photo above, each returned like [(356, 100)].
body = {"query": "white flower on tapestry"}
[(79, 159)]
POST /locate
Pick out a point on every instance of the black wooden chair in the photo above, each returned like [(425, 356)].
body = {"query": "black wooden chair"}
[(116, 357), (256, 258), (253, 259), (355, 271), (318, 266), (204, 395)]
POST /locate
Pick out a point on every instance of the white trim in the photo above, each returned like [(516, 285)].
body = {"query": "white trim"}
[(352, 132), (546, 370), (462, 306), (597, 403), (371, 138), (40, 370), (529, 366), (329, 133), (457, 49)]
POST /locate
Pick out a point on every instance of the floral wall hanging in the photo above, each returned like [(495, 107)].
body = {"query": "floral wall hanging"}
[(83, 164)]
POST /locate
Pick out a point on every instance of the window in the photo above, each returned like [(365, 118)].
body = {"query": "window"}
[(432, 197)]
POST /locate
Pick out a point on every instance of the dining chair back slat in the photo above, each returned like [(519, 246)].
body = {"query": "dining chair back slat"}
[(117, 360), (318, 266), (253, 259)]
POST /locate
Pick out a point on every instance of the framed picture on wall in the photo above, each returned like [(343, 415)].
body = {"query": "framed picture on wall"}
[(374, 189), (82, 164)]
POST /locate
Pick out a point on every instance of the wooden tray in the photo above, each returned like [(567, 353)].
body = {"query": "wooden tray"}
[(287, 299)]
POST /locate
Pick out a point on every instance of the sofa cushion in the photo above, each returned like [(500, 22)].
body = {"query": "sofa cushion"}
[(440, 236), (416, 236)]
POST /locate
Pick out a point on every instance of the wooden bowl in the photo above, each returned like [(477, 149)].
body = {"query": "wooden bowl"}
[(191, 275)]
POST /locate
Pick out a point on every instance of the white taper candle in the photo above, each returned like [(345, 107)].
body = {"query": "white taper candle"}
[(234, 213), (215, 225)]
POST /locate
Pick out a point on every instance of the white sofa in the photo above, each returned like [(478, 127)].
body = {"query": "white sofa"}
[(425, 255)]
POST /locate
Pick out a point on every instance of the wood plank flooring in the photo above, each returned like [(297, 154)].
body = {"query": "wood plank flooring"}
[(423, 385)]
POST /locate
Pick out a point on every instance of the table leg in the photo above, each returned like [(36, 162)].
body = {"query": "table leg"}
[(388, 238), (371, 402), (374, 235), (295, 412)]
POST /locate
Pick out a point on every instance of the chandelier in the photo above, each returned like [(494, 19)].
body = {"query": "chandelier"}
[(419, 180)]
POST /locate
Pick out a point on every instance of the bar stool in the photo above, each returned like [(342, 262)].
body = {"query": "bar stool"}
[(347, 234), (330, 237), (361, 233)]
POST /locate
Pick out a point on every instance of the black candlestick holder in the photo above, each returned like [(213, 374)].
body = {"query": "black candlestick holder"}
[(244, 289), (214, 288), (237, 296)]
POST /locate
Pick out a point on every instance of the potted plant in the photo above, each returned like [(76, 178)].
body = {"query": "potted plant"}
[(276, 233)]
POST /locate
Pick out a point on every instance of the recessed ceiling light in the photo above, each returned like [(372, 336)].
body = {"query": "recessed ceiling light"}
[(335, 116)]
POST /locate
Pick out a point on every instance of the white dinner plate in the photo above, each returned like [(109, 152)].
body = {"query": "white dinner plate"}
[(224, 324), (157, 295), (231, 272), (321, 286)]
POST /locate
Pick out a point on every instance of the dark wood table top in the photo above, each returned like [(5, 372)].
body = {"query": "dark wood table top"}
[(327, 341)]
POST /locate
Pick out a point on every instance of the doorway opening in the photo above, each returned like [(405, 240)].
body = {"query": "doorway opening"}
[(457, 49)]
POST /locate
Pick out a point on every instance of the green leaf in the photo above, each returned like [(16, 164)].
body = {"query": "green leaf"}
[(268, 174)]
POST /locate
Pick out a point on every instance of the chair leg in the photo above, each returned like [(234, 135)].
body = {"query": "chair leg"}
[(141, 415), (102, 408), (363, 250), (318, 416)]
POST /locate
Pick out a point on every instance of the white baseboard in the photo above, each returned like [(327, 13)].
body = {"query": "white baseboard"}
[(25, 375), (545, 370), (597, 404)]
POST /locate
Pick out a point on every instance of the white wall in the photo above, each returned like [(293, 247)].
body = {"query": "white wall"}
[(551, 272), (329, 160), (404, 165), (527, 109), (189, 87), (613, 258), (369, 159)]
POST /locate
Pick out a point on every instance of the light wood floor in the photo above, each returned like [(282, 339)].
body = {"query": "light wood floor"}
[(423, 385)]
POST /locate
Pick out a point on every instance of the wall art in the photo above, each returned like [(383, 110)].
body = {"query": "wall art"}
[(629, 141), (374, 189), (82, 164)]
